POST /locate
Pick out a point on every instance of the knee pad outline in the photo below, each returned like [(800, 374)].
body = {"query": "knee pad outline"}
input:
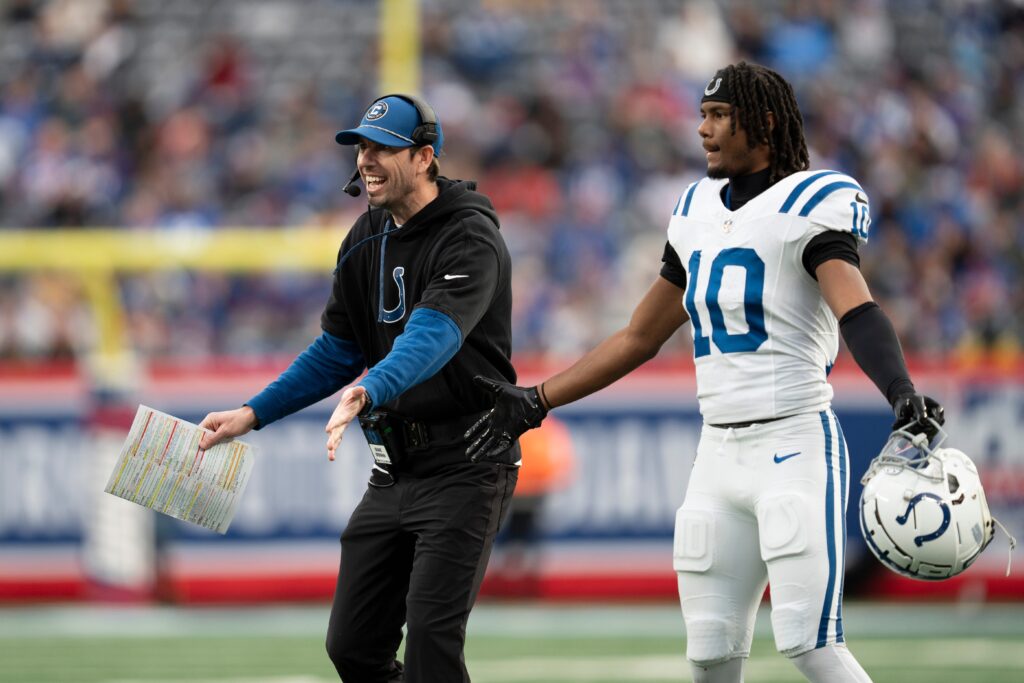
[(790, 629), (711, 641)]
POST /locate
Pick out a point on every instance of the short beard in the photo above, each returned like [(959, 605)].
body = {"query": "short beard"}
[(717, 173), (740, 166)]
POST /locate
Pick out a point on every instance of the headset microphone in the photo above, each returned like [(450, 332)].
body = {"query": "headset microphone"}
[(350, 188)]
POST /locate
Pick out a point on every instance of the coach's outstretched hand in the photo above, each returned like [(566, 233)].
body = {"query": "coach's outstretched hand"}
[(352, 401), (915, 413), (516, 409)]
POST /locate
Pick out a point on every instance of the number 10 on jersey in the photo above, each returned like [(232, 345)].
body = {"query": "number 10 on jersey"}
[(753, 307)]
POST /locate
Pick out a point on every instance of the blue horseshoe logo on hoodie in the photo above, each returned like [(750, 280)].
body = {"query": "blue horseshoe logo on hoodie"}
[(395, 314)]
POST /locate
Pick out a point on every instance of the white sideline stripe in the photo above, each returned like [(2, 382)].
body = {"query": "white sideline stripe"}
[(276, 679), (940, 653), (526, 669), (640, 668), (939, 623), (933, 656)]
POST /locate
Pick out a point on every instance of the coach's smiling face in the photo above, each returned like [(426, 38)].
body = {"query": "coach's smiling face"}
[(394, 177), (729, 154)]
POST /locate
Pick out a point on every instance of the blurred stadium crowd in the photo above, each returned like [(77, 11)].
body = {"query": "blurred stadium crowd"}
[(578, 118)]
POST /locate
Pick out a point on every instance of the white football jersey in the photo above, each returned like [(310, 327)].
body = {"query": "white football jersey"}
[(764, 339)]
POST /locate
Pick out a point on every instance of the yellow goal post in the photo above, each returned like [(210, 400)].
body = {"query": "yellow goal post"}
[(98, 256)]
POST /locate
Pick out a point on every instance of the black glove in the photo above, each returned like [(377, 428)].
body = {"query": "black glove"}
[(915, 412), (515, 410)]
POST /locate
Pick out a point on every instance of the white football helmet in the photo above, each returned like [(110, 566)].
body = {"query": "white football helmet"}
[(923, 511)]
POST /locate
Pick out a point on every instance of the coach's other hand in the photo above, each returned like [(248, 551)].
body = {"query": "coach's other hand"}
[(226, 425), (516, 409), (915, 413), (352, 401)]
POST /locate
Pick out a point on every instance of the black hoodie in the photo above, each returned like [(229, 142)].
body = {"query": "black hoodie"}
[(448, 257)]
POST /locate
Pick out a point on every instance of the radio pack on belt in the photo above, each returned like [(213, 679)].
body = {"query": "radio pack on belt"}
[(386, 443), (386, 447)]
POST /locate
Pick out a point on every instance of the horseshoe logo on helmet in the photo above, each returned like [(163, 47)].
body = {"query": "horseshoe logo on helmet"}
[(922, 539)]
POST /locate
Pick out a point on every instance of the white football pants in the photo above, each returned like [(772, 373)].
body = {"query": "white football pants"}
[(766, 504)]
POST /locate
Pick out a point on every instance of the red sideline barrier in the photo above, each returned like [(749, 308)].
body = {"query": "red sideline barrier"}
[(208, 590), (562, 587), (320, 587), (892, 586), (30, 589), (192, 375), (220, 589), (200, 590), (583, 587)]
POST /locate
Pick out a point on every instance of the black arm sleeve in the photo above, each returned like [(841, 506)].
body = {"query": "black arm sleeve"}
[(872, 341), (827, 246), (673, 270)]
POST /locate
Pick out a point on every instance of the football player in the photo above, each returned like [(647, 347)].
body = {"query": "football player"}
[(762, 260)]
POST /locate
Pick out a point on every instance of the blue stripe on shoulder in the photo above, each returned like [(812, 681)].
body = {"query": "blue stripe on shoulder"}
[(677, 205), (820, 195), (798, 190), (689, 196)]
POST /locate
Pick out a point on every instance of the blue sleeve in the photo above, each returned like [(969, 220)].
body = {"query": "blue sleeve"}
[(429, 340), (328, 364)]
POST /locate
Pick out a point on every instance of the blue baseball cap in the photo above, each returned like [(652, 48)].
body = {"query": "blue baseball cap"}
[(390, 121)]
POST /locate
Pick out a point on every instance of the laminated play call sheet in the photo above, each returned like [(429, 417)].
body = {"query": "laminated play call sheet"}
[(162, 467)]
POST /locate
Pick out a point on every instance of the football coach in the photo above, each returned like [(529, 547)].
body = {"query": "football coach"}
[(422, 297)]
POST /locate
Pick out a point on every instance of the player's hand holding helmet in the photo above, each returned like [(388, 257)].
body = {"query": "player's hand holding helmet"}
[(515, 410), (923, 511), (918, 414)]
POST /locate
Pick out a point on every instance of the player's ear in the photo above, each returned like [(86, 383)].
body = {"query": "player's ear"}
[(771, 121)]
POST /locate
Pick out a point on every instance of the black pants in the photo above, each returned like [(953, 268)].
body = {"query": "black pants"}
[(415, 554)]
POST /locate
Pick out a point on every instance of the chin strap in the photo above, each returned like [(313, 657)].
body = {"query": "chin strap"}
[(1013, 544)]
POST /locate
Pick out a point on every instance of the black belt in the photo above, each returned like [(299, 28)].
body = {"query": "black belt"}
[(420, 448), (740, 425), (419, 434)]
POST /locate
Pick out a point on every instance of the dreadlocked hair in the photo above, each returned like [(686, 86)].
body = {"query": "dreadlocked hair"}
[(757, 90)]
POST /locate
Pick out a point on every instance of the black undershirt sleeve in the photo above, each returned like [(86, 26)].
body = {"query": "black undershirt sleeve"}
[(673, 270), (827, 246), (872, 341)]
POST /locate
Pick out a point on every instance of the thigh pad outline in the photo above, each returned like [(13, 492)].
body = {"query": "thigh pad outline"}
[(782, 527), (693, 544)]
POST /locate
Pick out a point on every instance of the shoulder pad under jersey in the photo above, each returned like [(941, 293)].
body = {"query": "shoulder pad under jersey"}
[(830, 199), (699, 196)]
